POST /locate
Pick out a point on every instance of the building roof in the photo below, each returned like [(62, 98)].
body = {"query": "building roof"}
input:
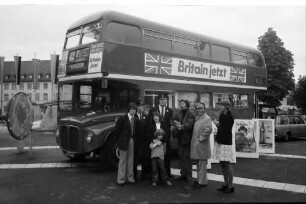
[(9, 72)]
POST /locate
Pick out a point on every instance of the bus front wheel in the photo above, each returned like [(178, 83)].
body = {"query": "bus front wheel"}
[(111, 153)]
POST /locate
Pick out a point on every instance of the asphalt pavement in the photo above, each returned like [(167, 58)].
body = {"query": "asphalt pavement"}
[(47, 176)]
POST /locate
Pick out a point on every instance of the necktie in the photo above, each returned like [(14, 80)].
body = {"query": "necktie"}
[(162, 114), (132, 125), (140, 117)]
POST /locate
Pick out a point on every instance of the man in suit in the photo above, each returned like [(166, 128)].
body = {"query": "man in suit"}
[(183, 127), (126, 132), (142, 151), (166, 114)]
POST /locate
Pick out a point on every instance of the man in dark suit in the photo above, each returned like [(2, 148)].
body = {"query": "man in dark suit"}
[(142, 151), (166, 114), (126, 132), (183, 127)]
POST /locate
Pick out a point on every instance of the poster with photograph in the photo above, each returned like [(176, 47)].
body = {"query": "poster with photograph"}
[(212, 145), (265, 131), (246, 139)]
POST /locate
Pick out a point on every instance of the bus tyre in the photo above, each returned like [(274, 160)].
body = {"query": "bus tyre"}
[(112, 153), (74, 157)]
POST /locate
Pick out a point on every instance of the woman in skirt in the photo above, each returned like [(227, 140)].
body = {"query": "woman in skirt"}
[(223, 150)]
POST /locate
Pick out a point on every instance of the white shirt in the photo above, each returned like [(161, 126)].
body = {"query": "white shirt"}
[(157, 126)]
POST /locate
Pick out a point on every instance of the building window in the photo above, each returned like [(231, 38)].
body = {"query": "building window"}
[(47, 76), (22, 77), (45, 96), (13, 86), (6, 86), (36, 96), (30, 76), (6, 97), (45, 86), (38, 85), (7, 77), (29, 86), (21, 86)]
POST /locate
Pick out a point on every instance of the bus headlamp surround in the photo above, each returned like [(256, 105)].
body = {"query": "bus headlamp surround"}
[(89, 136)]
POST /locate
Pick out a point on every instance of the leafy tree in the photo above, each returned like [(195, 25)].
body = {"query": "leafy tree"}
[(279, 63), (299, 95)]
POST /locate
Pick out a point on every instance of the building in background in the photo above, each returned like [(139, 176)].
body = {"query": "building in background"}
[(43, 94)]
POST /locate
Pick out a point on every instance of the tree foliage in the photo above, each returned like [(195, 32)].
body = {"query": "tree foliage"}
[(279, 63), (299, 94)]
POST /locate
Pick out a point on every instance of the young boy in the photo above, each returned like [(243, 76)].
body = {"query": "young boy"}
[(157, 155)]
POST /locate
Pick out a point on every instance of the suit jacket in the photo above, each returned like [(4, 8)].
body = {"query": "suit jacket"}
[(124, 132), (166, 122), (142, 140), (184, 135), (200, 142)]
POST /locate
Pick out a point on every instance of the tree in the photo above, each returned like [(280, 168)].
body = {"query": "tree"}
[(299, 94), (279, 63)]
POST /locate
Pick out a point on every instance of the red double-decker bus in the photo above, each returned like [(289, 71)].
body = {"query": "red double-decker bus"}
[(110, 59)]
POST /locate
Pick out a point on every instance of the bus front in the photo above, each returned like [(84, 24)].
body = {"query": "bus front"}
[(86, 111)]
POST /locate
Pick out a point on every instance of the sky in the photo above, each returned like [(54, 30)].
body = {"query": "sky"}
[(31, 29)]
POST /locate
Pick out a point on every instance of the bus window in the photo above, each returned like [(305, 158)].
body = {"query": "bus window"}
[(217, 97), (185, 46), (157, 40), (240, 100), (91, 33), (255, 60), (204, 49), (239, 57), (220, 53), (192, 97), (205, 98), (73, 39), (121, 33), (65, 97), (85, 96)]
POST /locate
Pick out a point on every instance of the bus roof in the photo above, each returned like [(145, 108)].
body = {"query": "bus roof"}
[(132, 20)]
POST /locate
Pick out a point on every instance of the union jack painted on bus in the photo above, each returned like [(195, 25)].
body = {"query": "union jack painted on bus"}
[(158, 64), (238, 75)]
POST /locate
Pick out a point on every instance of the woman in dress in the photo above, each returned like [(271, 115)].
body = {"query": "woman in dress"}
[(223, 150)]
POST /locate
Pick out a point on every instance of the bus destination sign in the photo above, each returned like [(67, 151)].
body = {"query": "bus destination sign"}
[(95, 58)]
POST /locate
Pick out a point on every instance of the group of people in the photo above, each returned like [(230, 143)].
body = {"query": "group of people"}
[(145, 139)]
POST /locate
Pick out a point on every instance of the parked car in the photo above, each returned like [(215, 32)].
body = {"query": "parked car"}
[(287, 126)]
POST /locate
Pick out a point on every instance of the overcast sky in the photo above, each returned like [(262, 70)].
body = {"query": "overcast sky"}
[(37, 29)]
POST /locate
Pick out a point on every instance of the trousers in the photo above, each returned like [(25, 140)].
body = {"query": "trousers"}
[(185, 161), (159, 164), (202, 171), (125, 166)]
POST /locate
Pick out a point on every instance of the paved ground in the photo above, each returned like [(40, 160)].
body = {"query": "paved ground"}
[(46, 176)]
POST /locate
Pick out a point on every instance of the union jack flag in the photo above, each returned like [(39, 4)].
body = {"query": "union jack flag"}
[(238, 75), (158, 64)]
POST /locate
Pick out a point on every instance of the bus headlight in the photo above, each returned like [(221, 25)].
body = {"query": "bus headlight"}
[(89, 136)]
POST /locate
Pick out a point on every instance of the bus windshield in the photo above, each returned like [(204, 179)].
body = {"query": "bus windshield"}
[(84, 35), (89, 96)]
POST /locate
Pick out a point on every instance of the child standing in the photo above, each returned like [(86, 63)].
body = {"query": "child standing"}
[(158, 150)]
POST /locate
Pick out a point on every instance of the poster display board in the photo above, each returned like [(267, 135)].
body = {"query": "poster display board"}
[(266, 134), (246, 139)]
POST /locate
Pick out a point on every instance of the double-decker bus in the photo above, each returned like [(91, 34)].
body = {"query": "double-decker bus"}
[(110, 59)]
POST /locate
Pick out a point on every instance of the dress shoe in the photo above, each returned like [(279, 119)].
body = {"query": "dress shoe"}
[(168, 183), (121, 184), (229, 190), (222, 188), (132, 182), (200, 185)]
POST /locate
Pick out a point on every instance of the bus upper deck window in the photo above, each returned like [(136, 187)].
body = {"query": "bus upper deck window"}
[(255, 60), (220, 53), (91, 33), (239, 57), (73, 39)]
